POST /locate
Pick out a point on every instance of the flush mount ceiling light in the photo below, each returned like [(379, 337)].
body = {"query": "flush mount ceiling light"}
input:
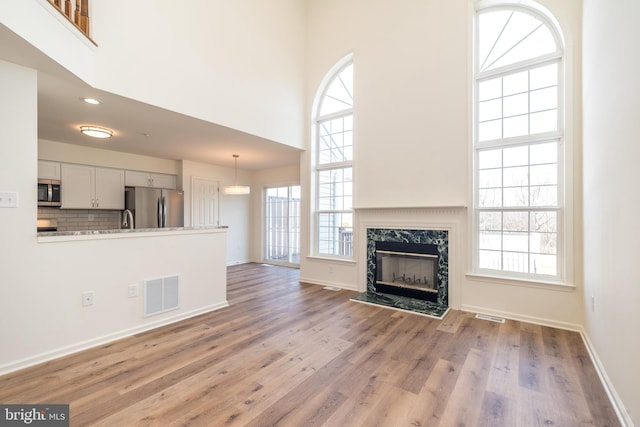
[(96, 132), (236, 189), (92, 101)]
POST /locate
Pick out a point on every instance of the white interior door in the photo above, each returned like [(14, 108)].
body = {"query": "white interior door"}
[(204, 202)]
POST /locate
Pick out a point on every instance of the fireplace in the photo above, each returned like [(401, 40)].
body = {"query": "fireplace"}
[(435, 226), (407, 269), (409, 263)]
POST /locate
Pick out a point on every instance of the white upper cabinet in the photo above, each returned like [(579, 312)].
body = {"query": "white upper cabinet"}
[(109, 188), (88, 187), (148, 179), (78, 186), (48, 170)]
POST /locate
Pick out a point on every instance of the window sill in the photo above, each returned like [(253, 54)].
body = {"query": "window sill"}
[(538, 284)]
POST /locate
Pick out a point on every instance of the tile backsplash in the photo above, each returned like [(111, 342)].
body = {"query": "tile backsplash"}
[(81, 219)]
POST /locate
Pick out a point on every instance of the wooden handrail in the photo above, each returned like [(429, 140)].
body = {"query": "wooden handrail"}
[(76, 11)]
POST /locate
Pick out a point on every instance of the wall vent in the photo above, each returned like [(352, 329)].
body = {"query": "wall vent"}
[(490, 318), (161, 294)]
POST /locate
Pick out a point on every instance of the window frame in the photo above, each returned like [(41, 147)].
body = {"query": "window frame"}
[(291, 203), (563, 234), (318, 167)]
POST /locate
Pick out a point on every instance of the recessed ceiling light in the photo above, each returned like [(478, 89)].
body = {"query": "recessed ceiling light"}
[(92, 101), (96, 132)]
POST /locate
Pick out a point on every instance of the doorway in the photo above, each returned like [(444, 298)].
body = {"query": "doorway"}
[(282, 225)]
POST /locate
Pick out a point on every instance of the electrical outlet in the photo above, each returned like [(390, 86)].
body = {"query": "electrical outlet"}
[(91, 217), (133, 291), (87, 298), (593, 303)]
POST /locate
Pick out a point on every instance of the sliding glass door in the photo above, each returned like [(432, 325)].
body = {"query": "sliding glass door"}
[(282, 225)]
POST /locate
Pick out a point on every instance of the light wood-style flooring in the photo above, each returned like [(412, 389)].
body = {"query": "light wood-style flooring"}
[(292, 354)]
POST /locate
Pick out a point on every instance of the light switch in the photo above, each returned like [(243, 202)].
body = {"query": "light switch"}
[(8, 199)]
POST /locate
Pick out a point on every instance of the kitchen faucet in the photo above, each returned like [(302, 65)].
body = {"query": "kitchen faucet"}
[(127, 219)]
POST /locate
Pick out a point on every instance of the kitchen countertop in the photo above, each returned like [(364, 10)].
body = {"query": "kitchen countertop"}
[(54, 236)]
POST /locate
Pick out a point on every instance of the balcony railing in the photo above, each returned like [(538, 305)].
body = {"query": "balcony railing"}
[(76, 11)]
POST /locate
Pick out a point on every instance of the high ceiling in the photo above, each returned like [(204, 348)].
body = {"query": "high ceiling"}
[(138, 128)]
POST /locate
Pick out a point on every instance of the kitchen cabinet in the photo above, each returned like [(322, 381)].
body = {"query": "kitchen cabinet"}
[(48, 170), (88, 187), (148, 179)]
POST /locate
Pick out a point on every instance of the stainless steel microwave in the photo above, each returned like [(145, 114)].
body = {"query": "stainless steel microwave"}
[(49, 192)]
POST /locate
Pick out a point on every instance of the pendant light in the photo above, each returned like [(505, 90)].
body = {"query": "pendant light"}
[(236, 189)]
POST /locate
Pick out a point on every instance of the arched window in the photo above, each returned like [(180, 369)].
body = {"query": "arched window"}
[(333, 161), (518, 145)]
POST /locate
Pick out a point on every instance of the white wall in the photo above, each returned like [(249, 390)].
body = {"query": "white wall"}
[(18, 172), (238, 64), (411, 74), (611, 228), (412, 132)]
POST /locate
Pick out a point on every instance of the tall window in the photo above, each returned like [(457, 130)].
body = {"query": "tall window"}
[(333, 167), (282, 224), (518, 145)]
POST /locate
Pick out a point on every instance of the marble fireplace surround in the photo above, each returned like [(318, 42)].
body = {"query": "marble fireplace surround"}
[(443, 225), (437, 238)]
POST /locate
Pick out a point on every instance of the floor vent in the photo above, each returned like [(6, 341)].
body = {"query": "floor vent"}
[(490, 318), (161, 294), (331, 288)]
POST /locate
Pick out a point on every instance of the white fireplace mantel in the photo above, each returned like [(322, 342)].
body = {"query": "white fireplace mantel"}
[(451, 218)]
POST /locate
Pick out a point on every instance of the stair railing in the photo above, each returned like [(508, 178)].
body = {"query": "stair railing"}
[(76, 11)]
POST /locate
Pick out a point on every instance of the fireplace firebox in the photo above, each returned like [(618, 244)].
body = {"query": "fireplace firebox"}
[(407, 269)]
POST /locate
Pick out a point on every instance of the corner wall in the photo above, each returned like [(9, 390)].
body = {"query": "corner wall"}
[(611, 229), (412, 135)]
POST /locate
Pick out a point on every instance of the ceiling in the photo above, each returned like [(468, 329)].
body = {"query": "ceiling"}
[(138, 128)]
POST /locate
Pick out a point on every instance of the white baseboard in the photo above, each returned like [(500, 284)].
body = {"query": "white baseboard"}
[(94, 342), (618, 406), (523, 318), (348, 287), (613, 396)]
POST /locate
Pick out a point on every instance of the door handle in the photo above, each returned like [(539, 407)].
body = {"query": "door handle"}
[(164, 212)]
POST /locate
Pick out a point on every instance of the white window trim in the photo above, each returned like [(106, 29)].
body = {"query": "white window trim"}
[(264, 249), (565, 260), (316, 167)]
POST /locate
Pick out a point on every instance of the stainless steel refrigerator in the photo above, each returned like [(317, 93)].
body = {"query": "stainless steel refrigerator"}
[(155, 207)]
